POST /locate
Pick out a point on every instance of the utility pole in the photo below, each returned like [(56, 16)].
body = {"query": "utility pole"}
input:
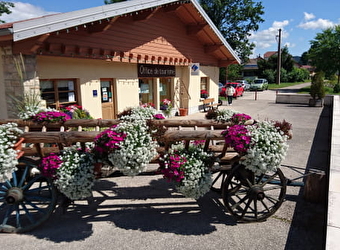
[(278, 71)]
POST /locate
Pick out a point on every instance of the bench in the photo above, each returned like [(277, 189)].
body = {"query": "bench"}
[(209, 103)]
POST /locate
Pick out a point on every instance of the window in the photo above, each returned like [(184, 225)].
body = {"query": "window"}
[(146, 90), (58, 92), (165, 88), (204, 87)]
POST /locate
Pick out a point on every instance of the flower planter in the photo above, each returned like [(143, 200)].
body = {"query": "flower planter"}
[(18, 147), (183, 112), (97, 169)]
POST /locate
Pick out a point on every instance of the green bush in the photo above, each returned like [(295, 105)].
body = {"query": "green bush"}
[(317, 89), (336, 88), (298, 75), (269, 74)]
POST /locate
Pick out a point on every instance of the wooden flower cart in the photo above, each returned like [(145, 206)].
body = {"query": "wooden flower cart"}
[(28, 198)]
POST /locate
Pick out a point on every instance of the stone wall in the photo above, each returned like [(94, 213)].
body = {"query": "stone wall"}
[(19, 78)]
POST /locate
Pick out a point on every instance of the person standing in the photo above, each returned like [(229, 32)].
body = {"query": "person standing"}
[(230, 91)]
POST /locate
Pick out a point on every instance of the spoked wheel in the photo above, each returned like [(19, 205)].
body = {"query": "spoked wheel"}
[(26, 200), (219, 178), (253, 198)]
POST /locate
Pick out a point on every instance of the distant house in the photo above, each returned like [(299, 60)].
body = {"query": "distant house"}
[(115, 56), (250, 69), (269, 54)]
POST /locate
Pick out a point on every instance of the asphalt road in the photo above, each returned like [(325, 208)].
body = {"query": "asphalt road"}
[(144, 212)]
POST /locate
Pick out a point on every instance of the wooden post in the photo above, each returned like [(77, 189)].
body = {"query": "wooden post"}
[(315, 186)]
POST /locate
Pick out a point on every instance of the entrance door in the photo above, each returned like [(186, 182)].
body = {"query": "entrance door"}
[(106, 89)]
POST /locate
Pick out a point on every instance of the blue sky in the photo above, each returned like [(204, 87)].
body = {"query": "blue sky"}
[(300, 20)]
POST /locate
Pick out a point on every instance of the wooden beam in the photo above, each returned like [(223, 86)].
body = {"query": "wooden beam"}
[(145, 14), (39, 42), (194, 29), (171, 8), (212, 48), (102, 25)]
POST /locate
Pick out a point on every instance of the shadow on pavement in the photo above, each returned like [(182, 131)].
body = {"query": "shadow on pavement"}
[(310, 219), (155, 207)]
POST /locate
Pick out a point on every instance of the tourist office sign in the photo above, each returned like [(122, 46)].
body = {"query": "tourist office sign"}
[(153, 70)]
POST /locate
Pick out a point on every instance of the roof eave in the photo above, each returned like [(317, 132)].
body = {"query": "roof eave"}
[(45, 25), (35, 27)]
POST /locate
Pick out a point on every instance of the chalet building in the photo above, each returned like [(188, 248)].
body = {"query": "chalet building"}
[(112, 57)]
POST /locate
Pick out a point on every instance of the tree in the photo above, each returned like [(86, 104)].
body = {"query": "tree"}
[(317, 89), (324, 52), (235, 19), (5, 8), (304, 60), (287, 62)]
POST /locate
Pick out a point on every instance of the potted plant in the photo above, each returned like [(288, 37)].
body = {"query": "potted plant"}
[(204, 94), (166, 107), (317, 90)]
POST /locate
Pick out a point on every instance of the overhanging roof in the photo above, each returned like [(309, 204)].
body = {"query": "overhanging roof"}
[(53, 23)]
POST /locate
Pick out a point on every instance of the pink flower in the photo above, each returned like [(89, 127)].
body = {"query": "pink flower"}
[(158, 117), (240, 118), (171, 169), (237, 137), (49, 164), (108, 141)]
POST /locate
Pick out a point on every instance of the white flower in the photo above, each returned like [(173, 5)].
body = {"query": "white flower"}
[(75, 176), (9, 134), (138, 148), (197, 177), (268, 148)]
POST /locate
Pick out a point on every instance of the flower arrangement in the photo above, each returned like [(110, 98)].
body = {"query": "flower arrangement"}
[(9, 134), (158, 117), (240, 118), (204, 93), (76, 112), (49, 165), (136, 150), (129, 145), (72, 171), (146, 105), (262, 145), (27, 105), (166, 106), (188, 169), (285, 127), (223, 115), (106, 142), (143, 112), (237, 136), (50, 116)]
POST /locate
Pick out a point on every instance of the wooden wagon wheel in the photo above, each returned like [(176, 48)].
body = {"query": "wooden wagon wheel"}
[(253, 198), (26, 200)]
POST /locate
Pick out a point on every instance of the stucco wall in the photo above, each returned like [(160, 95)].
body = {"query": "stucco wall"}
[(89, 73)]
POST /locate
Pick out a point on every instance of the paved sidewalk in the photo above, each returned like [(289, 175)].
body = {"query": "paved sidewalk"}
[(145, 212)]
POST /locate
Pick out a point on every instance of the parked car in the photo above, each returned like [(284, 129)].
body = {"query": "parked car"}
[(220, 86), (259, 84), (244, 83), (238, 89)]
